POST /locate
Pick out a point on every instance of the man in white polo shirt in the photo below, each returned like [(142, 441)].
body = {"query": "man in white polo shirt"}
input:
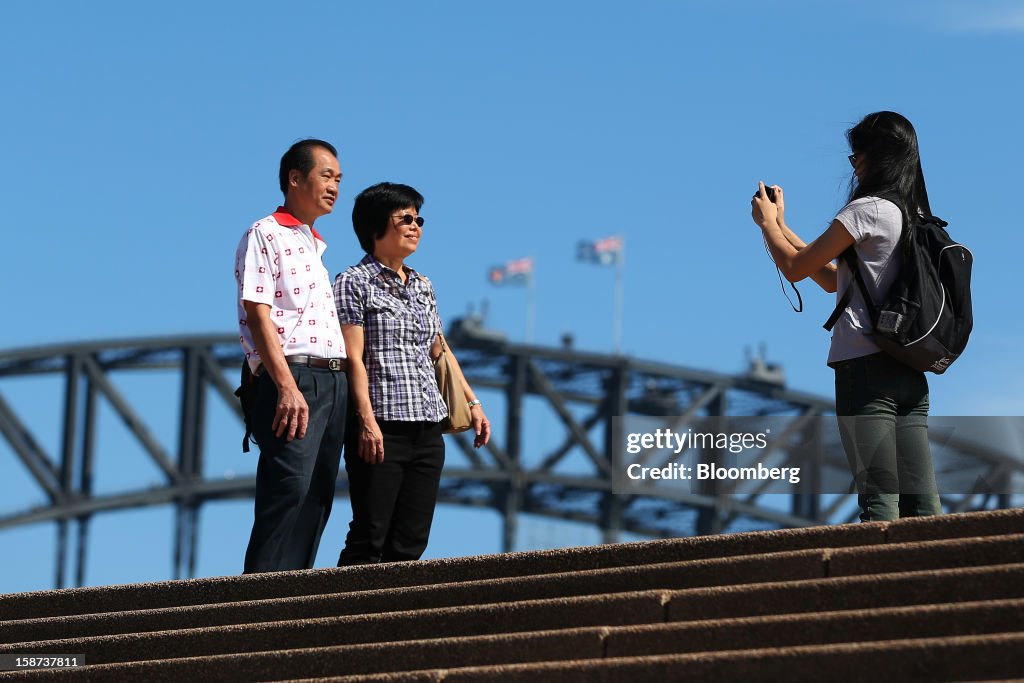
[(293, 346)]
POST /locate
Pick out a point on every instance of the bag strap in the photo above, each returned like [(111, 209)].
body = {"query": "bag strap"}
[(242, 392), (440, 326), (849, 256)]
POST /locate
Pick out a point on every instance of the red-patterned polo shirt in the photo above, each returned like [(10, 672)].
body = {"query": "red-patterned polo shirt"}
[(279, 262)]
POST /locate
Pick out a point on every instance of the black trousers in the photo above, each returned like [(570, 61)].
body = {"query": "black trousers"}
[(295, 479), (393, 501)]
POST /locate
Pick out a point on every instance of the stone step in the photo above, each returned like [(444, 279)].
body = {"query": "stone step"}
[(934, 586), (518, 617), (215, 590), (773, 567), (817, 628), (649, 607), (625, 642), (987, 657), (95, 600), (938, 598)]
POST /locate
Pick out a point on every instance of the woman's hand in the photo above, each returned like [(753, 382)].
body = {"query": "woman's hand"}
[(481, 426), (780, 203), (764, 211), (371, 441)]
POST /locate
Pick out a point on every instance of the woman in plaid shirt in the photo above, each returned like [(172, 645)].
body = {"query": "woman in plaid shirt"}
[(394, 451)]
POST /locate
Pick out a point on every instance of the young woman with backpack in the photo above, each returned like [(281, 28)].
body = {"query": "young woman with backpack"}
[(881, 404)]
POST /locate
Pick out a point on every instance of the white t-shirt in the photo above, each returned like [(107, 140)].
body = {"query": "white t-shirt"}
[(875, 225), (278, 262)]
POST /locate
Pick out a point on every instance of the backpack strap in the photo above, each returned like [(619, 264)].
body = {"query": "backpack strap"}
[(849, 256)]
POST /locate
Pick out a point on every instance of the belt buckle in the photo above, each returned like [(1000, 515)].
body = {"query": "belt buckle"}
[(334, 364)]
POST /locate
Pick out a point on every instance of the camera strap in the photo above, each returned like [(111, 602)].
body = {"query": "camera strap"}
[(798, 309)]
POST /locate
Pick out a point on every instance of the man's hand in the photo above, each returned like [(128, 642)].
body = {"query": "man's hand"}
[(292, 416)]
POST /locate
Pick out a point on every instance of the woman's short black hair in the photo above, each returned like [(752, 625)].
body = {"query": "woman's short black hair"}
[(374, 207), (299, 157)]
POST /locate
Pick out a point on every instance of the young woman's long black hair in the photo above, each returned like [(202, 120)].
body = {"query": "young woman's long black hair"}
[(888, 142)]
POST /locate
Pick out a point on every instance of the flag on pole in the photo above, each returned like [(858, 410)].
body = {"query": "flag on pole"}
[(605, 251), (515, 272)]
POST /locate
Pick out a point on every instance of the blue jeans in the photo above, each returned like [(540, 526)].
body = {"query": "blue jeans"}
[(882, 409)]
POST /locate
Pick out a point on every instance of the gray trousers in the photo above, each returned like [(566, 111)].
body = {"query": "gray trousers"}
[(882, 409)]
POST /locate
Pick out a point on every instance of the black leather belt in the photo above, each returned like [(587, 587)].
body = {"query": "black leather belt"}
[(332, 364)]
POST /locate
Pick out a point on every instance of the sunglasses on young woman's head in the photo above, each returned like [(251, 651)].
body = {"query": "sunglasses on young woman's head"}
[(408, 218), (853, 160)]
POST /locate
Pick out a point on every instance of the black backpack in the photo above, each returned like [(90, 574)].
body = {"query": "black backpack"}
[(925, 319)]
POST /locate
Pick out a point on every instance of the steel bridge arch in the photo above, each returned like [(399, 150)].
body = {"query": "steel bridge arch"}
[(585, 391)]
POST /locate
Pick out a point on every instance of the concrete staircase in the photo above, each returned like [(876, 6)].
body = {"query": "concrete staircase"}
[(931, 599)]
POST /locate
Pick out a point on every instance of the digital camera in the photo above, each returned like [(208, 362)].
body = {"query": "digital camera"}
[(769, 191)]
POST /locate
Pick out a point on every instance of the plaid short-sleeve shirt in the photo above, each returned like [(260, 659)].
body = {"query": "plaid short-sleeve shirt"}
[(400, 323)]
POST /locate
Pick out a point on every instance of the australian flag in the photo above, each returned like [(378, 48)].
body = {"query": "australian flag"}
[(517, 272), (606, 251)]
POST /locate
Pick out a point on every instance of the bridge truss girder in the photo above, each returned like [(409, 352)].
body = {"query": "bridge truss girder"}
[(585, 392)]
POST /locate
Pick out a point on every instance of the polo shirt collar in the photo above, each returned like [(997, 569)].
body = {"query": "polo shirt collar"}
[(285, 219)]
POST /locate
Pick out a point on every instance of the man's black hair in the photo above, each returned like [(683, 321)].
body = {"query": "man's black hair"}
[(300, 158)]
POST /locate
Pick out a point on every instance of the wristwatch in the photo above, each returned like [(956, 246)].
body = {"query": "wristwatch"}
[(470, 404)]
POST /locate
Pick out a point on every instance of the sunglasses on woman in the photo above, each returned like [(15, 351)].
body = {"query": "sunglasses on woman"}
[(408, 218)]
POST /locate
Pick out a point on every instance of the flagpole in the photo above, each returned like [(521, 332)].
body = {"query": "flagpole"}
[(519, 272), (529, 307), (620, 266)]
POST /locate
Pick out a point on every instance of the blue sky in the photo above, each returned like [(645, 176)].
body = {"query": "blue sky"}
[(139, 142)]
